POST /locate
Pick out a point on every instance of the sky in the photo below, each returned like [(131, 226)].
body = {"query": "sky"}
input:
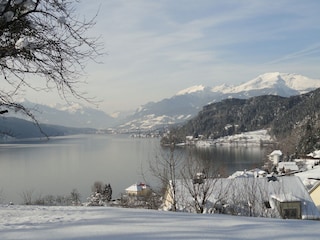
[(156, 48)]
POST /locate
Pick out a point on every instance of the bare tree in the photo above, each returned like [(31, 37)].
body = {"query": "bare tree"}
[(27, 196), (97, 187), (167, 168), (199, 178), (75, 197), (46, 40), (2, 197)]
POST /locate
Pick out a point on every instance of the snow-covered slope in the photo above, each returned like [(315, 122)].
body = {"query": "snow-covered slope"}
[(193, 89), (93, 223), (292, 83), (188, 102)]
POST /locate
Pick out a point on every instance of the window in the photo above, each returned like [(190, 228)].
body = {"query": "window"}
[(290, 209), (267, 204), (291, 213)]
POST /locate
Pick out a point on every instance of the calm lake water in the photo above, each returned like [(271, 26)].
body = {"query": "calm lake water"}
[(61, 164)]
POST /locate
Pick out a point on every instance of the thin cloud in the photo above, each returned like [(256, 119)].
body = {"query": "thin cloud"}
[(311, 50)]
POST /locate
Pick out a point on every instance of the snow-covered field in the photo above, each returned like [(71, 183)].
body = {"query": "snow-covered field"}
[(246, 138), (252, 138), (92, 223)]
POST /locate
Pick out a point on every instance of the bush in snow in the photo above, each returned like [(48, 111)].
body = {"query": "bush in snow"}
[(101, 194)]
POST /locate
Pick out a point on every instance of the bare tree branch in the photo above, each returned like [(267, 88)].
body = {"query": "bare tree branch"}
[(43, 39)]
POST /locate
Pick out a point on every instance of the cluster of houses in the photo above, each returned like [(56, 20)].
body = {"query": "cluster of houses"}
[(292, 192), (306, 168)]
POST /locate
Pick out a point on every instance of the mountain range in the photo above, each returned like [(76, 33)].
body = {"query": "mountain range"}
[(293, 122), (181, 107), (68, 115), (188, 102)]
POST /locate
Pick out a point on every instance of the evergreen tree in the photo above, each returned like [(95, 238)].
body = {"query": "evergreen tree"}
[(107, 192), (101, 194)]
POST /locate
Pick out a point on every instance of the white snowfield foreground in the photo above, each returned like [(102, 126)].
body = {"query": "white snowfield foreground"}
[(92, 223)]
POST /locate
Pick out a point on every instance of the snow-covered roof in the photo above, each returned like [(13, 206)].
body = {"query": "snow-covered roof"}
[(315, 154), (276, 152), (254, 190), (248, 173), (309, 177), (288, 197), (288, 165), (137, 187)]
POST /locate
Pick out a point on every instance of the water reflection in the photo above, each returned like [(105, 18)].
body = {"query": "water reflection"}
[(231, 159), (61, 164)]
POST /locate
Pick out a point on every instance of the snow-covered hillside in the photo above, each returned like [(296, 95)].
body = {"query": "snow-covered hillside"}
[(93, 223), (252, 138)]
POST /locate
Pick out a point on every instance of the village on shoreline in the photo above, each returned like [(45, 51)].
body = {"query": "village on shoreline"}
[(304, 173)]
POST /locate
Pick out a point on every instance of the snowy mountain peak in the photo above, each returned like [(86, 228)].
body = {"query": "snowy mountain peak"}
[(301, 83), (188, 102), (292, 81), (221, 88), (190, 90)]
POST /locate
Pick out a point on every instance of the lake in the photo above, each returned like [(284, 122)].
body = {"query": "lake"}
[(61, 164)]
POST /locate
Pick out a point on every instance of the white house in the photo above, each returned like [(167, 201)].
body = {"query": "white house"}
[(275, 157), (138, 189)]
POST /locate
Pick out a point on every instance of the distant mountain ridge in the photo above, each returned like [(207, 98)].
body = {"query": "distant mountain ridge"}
[(12, 128), (179, 108), (188, 102), (69, 115)]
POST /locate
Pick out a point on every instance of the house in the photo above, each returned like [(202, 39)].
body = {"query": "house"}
[(138, 189), (315, 194), (287, 167), (256, 172), (282, 197), (275, 157)]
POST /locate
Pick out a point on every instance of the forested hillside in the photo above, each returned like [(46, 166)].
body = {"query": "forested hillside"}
[(293, 121), (19, 128)]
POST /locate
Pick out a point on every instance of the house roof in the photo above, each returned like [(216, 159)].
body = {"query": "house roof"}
[(288, 165), (256, 190), (315, 186), (248, 173), (137, 187), (276, 152)]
